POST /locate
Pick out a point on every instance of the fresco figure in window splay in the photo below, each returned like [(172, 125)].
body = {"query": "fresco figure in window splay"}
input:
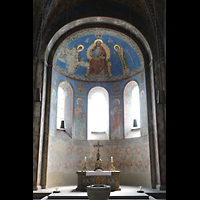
[(116, 114), (79, 119)]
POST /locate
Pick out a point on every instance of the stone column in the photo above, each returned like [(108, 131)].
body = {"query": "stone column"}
[(38, 115), (46, 129), (151, 122), (158, 71)]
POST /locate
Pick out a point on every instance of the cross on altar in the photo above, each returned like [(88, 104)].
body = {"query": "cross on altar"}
[(98, 146)]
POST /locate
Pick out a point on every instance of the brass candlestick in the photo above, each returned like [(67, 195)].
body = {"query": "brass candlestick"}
[(84, 167), (112, 168)]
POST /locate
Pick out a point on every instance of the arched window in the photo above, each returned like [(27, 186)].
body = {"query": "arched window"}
[(60, 106), (65, 106), (98, 114), (131, 110)]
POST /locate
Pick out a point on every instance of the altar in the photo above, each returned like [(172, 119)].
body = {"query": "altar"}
[(99, 178)]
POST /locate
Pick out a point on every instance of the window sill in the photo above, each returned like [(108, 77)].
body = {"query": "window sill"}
[(135, 128), (95, 132), (60, 129)]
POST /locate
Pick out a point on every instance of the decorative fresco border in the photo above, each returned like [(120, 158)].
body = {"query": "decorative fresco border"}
[(107, 20)]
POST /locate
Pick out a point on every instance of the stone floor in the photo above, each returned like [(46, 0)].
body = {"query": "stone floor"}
[(127, 192)]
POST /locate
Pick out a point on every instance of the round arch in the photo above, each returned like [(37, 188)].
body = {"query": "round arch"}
[(104, 22), (98, 114), (68, 108), (115, 24)]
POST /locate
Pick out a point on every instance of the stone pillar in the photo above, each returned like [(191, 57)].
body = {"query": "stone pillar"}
[(158, 72), (151, 122), (38, 110), (46, 129)]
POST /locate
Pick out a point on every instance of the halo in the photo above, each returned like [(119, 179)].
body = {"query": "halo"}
[(118, 101), (81, 101), (98, 40), (116, 46), (105, 46), (82, 47)]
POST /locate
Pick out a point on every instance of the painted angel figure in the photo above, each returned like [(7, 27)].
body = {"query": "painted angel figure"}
[(122, 57), (72, 58)]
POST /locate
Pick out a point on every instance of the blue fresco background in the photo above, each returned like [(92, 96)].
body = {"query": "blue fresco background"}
[(139, 78), (109, 40)]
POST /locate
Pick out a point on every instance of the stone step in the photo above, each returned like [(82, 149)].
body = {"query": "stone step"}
[(40, 195), (113, 196), (157, 195)]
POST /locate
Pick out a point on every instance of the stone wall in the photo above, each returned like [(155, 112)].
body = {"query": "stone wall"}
[(66, 156)]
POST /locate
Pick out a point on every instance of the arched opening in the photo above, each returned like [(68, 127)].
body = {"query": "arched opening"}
[(132, 110), (98, 114), (115, 95), (65, 107)]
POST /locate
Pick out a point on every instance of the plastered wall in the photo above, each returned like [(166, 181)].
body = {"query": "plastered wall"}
[(66, 156)]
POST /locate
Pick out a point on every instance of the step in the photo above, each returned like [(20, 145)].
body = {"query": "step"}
[(62, 195)]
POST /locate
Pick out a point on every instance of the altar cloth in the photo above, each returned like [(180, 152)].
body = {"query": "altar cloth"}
[(98, 173)]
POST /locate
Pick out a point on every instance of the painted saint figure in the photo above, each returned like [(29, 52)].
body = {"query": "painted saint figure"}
[(79, 119), (122, 57), (116, 114), (98, 63)]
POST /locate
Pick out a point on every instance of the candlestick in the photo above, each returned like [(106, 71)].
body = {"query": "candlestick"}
[(56, 191), (140, 190), (112, 168), (84, 167)]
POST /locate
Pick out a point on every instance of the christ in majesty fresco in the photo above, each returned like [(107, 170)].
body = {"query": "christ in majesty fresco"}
[(98, 55), (98, 63)]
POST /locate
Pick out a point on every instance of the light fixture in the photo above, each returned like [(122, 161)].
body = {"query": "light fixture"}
[(161, 97), (62, 124), (37, 95), (134, 122), (140, 190)]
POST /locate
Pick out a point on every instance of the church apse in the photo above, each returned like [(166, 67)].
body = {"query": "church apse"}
[(99, 57), (85, 60)]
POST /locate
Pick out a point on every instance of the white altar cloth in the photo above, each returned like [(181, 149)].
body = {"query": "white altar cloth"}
[(98, 173)]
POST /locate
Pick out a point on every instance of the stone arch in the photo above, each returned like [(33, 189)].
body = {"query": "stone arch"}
[(125, 28)]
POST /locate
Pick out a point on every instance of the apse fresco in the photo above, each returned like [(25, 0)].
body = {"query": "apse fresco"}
[(98, 55)]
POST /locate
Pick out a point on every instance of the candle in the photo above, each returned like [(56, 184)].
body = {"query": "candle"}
[(111, 159), (85, 158)]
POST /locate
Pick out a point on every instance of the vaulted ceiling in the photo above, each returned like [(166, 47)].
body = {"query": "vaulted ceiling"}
[(49, 16)]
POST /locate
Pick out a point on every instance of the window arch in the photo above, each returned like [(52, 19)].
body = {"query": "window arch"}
[(131, 110), (65, 106), (98, 114)]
